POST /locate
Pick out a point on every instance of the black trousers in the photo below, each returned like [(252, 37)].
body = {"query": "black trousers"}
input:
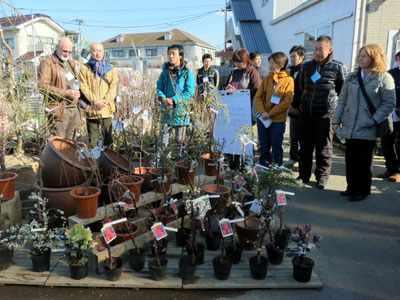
[(391, 149), (359, 157), (315, 133), (99, 129)]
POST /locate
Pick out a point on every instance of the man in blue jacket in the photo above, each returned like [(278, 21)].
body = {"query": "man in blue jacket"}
[(175, 87)]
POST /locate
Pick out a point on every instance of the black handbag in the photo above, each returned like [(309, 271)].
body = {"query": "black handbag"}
[(384, 128)]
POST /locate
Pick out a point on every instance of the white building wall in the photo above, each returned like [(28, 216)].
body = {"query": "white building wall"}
[(339, 14)]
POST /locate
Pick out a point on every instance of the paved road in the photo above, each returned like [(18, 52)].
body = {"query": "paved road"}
[(359, 256)]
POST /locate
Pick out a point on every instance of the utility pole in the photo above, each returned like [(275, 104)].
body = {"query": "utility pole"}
[(80, 22), (33, 36), (226, 20)]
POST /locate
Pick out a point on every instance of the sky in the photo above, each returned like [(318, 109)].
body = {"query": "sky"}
[(105, 19)]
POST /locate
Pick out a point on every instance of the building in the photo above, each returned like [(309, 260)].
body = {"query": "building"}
[(26, 34), (149, 50), (350, 23)]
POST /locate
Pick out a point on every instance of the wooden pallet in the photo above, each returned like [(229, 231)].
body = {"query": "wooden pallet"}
[(278, 276), (145, 199)]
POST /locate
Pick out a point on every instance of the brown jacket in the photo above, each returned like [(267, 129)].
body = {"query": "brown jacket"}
[(285, 88), (52, 81), (96, 89)]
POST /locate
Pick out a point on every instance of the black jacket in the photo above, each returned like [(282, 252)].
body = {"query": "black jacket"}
[(395, 72), (295, 73), (212, 81), (320, 98)]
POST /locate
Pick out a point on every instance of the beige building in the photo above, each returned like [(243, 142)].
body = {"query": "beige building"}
[(149, 50), (30, 33)]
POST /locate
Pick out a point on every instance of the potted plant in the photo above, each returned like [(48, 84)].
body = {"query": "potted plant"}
[(6, 237), (158, 263), (79, 242), (222, 264), (38, 238), (7, 179), (302, 265)]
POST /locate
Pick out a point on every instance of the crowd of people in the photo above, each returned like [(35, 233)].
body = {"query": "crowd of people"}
[(318, 95)]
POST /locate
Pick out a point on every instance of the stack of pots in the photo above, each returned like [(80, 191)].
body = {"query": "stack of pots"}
[(63, 171)]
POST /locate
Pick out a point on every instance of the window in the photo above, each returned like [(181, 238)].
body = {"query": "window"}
[(310, 37), (132, 52), (10, 42), (118, 53), (151, 52)]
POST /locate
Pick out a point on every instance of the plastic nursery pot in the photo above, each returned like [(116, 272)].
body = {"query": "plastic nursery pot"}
[(182, 236), (79, 271), (41, 262), (187, 267), (275, 254), (250, 233), (213, 241), (198, 253), (302, 268), (158, 186), (7, 185), (282, 238), (158, 268), (222, 267), (162, 246), (114, 274), (234, 252), (86, 199), (62, 166), (6, 257), (136, 258), (185, 176), (218, 204), (134, 184), (210, 167), (143, 172), (258, 267)]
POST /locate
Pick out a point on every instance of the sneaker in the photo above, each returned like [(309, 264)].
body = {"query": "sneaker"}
[(302, 181), (321, 184), (394, 178), (289, 163), (385, 174)]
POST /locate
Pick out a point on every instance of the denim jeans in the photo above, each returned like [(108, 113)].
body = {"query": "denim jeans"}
[(271, 137)]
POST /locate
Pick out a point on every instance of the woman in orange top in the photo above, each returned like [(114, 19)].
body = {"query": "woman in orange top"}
[(272, 100)]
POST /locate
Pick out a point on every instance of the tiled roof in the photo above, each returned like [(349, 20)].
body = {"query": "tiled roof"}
[(18, 20), (155, 38), (29, 55), (225, 54)]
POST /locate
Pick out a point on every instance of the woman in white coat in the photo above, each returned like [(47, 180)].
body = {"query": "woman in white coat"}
[(354, 121)]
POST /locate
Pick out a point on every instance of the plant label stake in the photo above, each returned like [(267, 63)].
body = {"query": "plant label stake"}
[(171, 229), (96, 152), (237, 205), (256, 207), (226, 228), (281, 199), (84, 153), (173, 206), (159, 231), (284, 192), (114, 222), (236, 220), (108, 234), (129, 195)]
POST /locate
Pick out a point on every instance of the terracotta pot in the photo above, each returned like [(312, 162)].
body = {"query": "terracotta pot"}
[(61, 164), (218, 204), (184, 176), (210, 166), (144, 172), (250, 234), (7, 186), (159, 187), (134, 184), (86, 205), (110, 162), (122, 237), (60, 198)]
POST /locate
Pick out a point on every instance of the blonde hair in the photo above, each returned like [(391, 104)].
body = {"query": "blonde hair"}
[(378, 58)]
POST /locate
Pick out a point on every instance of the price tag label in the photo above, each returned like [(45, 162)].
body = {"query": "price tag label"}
[(108, 234), (159, 231), (281, 199), (96, 152), (226, 228), (256, 207), (129, 195)]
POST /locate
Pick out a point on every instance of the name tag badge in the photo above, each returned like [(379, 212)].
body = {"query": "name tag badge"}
[(69, 76), (205, 79), (275, 99), (315, 76)]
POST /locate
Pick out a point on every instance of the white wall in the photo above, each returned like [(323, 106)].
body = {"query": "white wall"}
[(283, 35)]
